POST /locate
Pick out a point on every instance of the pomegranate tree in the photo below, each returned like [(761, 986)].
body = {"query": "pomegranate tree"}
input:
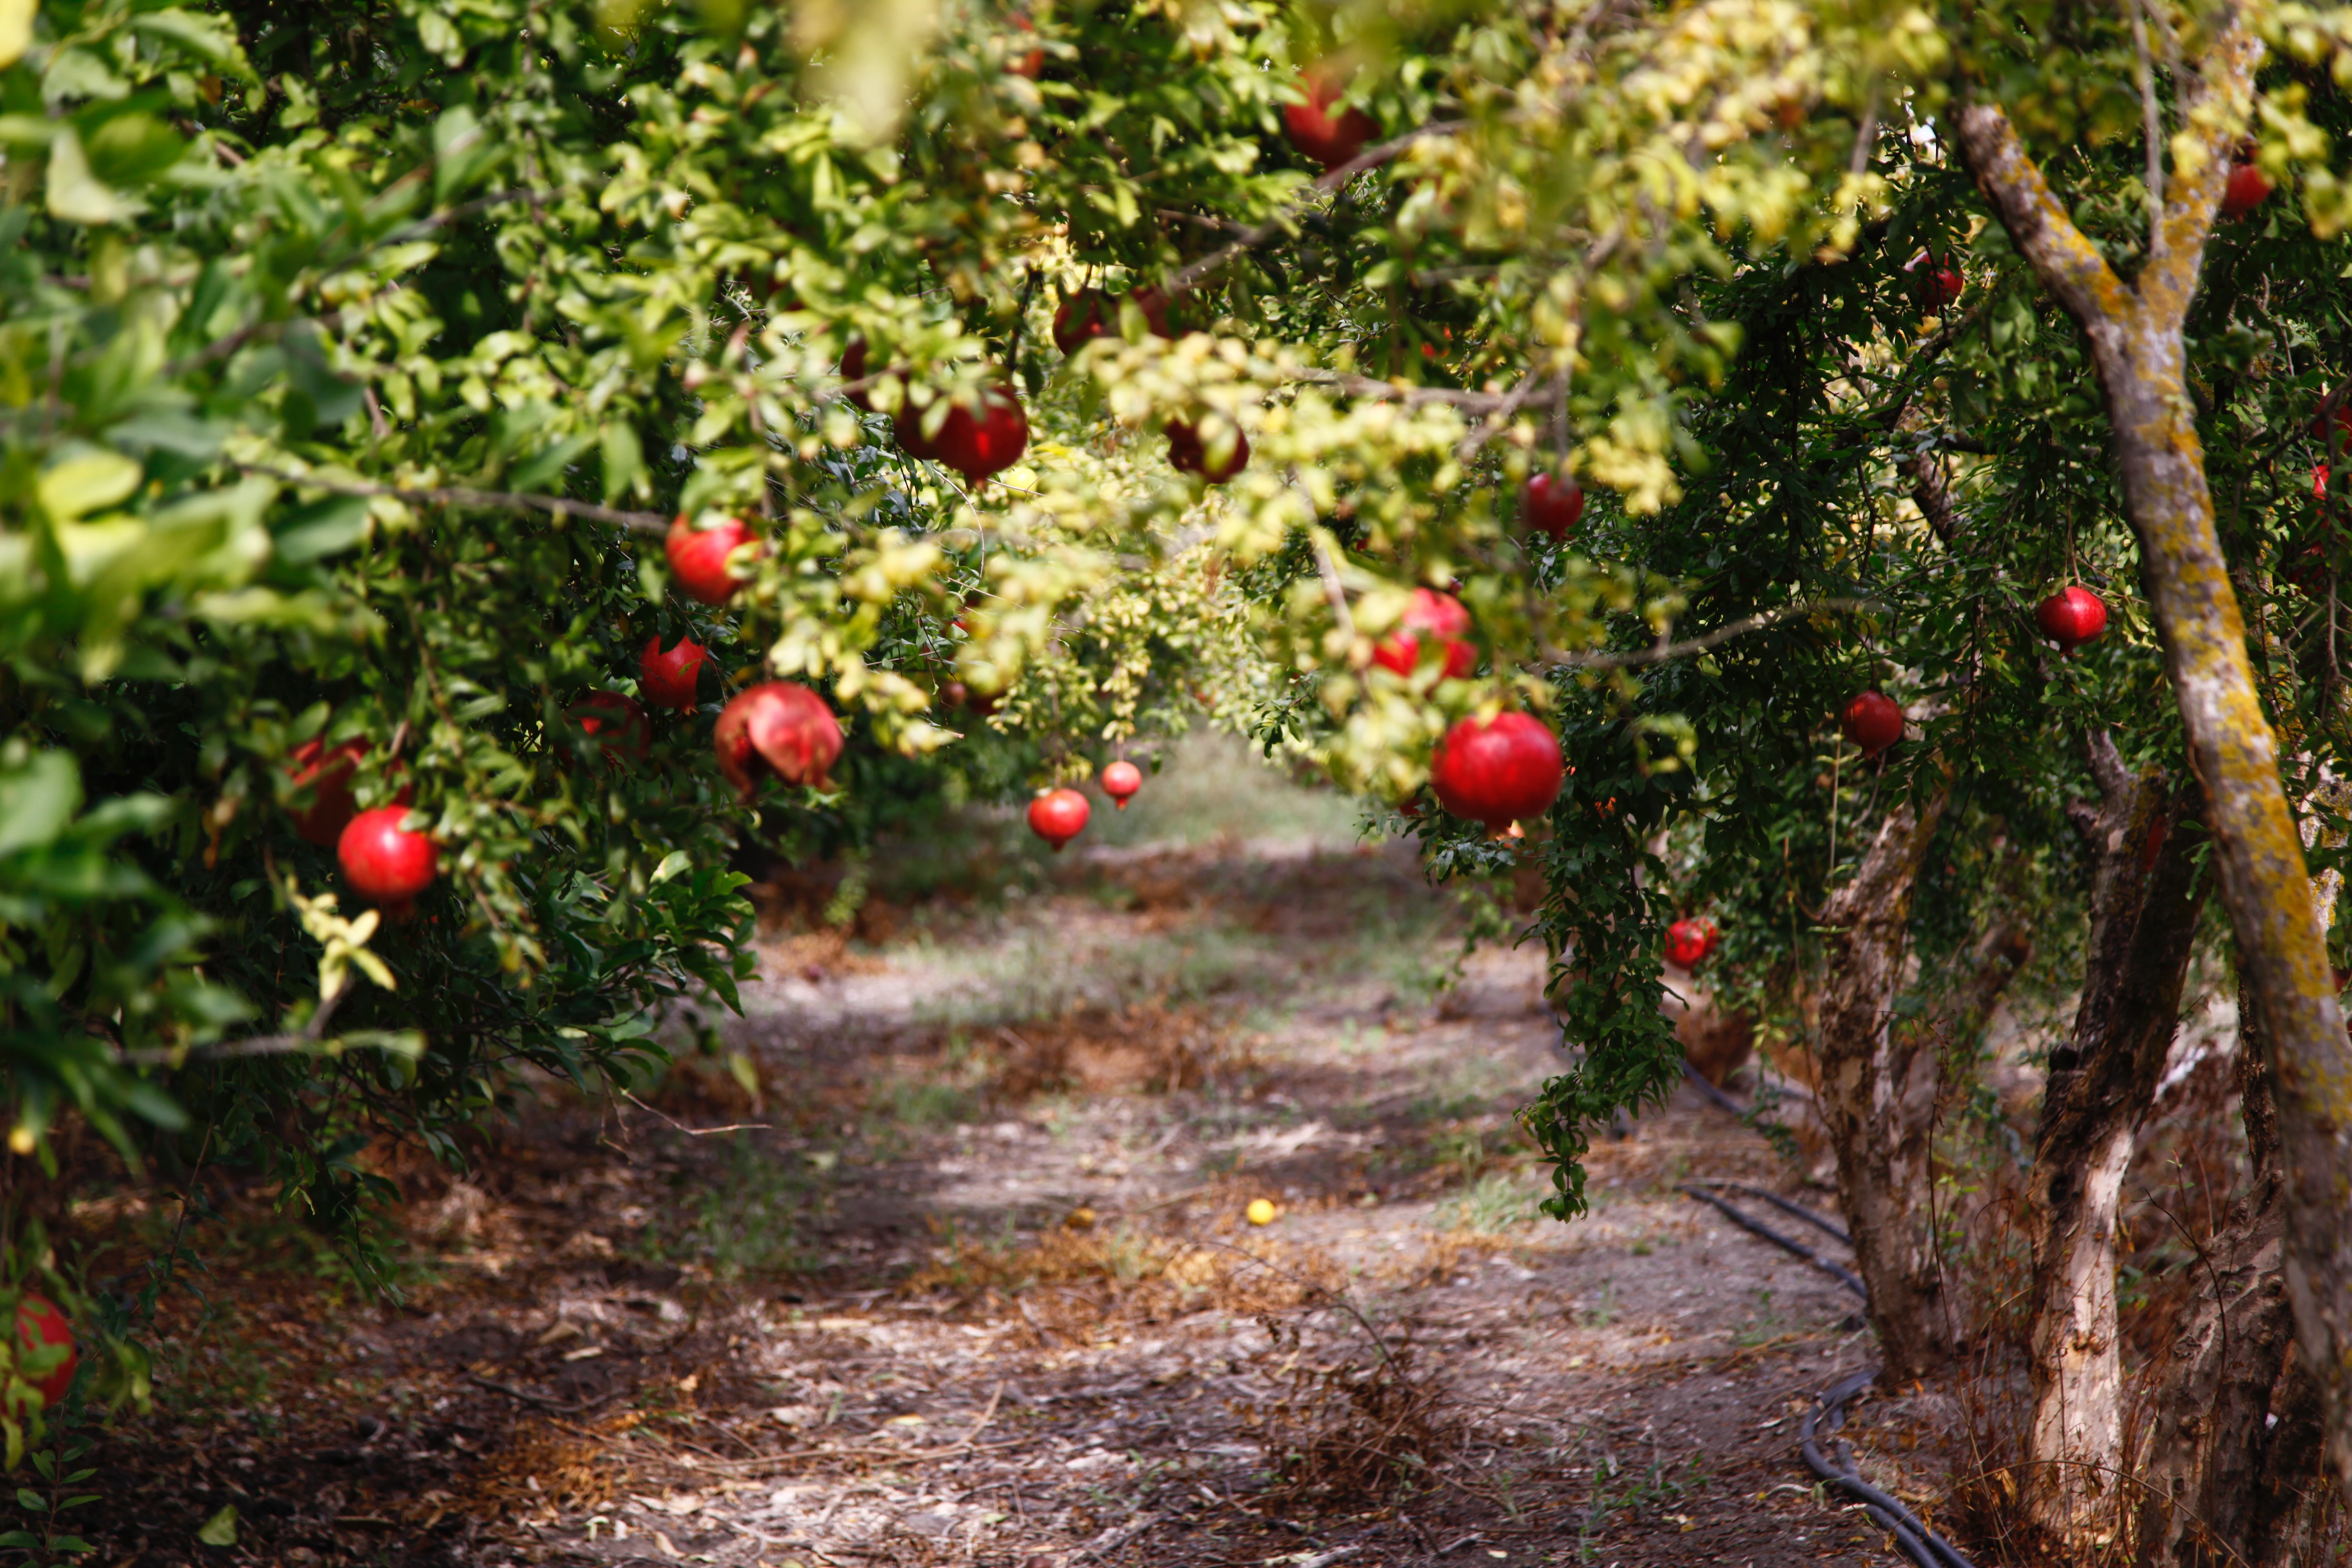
[(1872, 722), (1189, 453), (327, 771), (1331, 139), (1121, 781), (1058, 816), (1690, 940), (2071, 618), (384, 862), (778, 728), (698, 558), (1498, 771), (1551, 503), (1441, 615), (40, 1327), (669, 677)]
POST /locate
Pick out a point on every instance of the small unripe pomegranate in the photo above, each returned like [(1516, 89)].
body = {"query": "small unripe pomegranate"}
[(2247, 188), (778, 728), (698, 558), (1058, 816), (1315, 131), (1551, 503), (1188, 452), (39, 1327), (1090, 313), (2071, 618), (1121, 781), (1872, 722), (385, 863), (1499, 772), (1688, 943), (328, 771), (669, 678), (618, 723), (1443, 616)]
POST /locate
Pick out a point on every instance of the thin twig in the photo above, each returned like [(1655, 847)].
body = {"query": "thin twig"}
[(465, 495), (1333, 589), (2155, 129), (1561, 659), (695, 1132)]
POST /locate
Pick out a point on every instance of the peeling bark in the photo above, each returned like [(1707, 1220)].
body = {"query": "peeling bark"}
[(2146, 896), (1878, 1096), (2134, 333)]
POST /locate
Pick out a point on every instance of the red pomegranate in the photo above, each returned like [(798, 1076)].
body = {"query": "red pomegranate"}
[(1497, 772), (1313, 129), (669, 678), (1551, 503), (1937, 286), (41, 1327), (1189, 453), (1121, 781), (777, 727), (616, 722), (2338, 417), (2319, 482), (2247, 188), (1443, 616), (1031, 64), (1090, 313), (698, 557), (385, 863), (975, 446), (1688, 942), (1058, 816), (328, 771), (2071, 618), (1872, 722)]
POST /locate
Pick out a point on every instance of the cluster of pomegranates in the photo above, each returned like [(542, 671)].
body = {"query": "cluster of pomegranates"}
[(1058, 816)]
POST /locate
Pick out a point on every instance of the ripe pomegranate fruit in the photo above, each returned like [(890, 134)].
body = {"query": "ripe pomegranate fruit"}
[(1499, 772), (780, 728), (2247, 188), (1313, 129), (669, 678), (1188, 452), (39, 1327), (1688, 943), (1551, 503), (1090, 313), (2319, 482), (1441, 615), (1872, 722), (698, 557), (1121, 781), (385, 863), (974, 445), (328, 771), (1058, 816), (2071, 618), (618, 723), (1031, 64), (1936, 285)]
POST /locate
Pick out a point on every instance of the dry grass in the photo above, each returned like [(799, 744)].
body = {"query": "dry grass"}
[(1357, 1431), (1084, 1280)]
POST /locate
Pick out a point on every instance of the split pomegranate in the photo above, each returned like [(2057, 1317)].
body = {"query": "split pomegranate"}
[(385, 863), (1121, 781), (777, 729), (328, 773), (2071, 618), (41, 1327), (669, 678), (1188, 452), (1688, 943), (619, 723), (2247, 188), (1090, 313), (698, 558), (1551, 503), (1872, 722), (974, 445), (1315, 131), (1498, 772), (1443, 616), (1058, 816)]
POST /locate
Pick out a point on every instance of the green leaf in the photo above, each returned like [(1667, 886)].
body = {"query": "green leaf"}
[(37, 797), (322, 528), (78, 196), (86, 482), (672, 864), (221, 1529), (31, 1501)]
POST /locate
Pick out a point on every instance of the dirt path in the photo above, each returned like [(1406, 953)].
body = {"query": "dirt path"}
[(982, 1287)]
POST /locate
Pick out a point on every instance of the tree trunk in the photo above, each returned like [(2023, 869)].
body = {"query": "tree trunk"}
[(1878, 1096), (2135, 337), (2146, 896)]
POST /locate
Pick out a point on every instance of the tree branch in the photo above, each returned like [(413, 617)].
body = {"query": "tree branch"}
[(1561, 660), (465, 495)]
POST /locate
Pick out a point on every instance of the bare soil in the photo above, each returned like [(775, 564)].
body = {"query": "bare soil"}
[(972, 1279)]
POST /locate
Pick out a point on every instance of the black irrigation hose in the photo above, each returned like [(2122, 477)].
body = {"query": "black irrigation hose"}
[(1796, 1211), (1721, 1100), (1917, 1543), (1837, 1271)]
